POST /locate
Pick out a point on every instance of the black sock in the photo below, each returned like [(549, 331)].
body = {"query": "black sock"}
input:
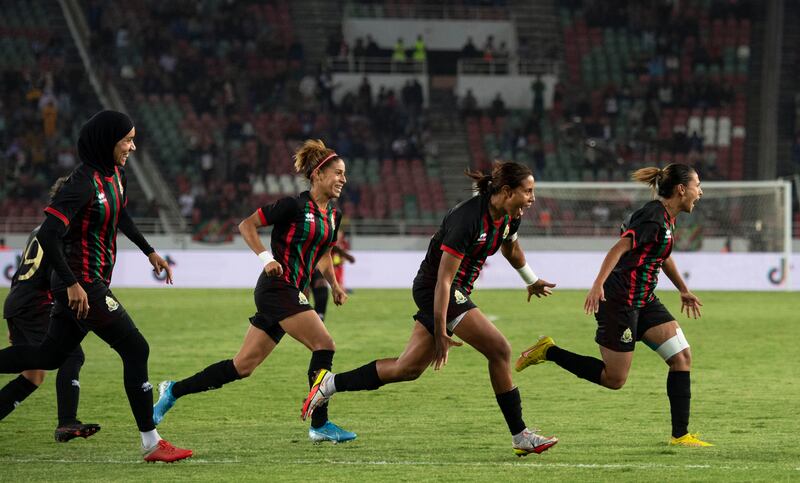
[(14, 393), (585, 367), (679, 391), (68, 388), (511, 406), (319, 360), (320, 300), (212, 377), (364, 378)]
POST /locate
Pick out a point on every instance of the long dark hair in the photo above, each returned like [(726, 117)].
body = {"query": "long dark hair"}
[(504, 173), (664, 180)]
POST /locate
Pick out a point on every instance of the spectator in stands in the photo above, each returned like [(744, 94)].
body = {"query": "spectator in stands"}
[(501, 57), (469, 51), (537, 87), (372, 47), (419, 54), (398, 54), (469, 105), (359, 53), (498, 107), (489, 49)]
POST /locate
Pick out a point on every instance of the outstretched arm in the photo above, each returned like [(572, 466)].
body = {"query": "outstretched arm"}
[(516, 257), (689, 301), (129, 228)]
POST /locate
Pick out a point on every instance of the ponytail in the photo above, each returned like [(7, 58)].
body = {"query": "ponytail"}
[(506, 173), (663, 181)]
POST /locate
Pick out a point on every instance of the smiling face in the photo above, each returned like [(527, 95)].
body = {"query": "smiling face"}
[(123, 148), (331, 178), (520, 198), (692, 192)]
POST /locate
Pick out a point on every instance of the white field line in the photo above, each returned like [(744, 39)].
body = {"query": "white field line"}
[(520, 464)]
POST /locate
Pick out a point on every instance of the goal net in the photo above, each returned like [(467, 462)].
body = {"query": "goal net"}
[(746, 216)]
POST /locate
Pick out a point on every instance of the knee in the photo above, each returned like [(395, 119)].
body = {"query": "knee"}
[(614, 382), (324, 344), (134, 346), (245, 370), (682, 361), (35, 377), (500, 351), (410, 373)]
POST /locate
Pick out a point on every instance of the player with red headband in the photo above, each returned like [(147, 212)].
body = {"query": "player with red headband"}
[(305, 228)]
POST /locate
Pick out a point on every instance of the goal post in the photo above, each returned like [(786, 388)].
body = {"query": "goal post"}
[(732, 216)]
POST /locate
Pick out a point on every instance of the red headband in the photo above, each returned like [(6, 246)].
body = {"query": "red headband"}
[(330, 156)]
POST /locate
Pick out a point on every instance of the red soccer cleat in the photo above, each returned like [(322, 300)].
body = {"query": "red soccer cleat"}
[(164, 451)]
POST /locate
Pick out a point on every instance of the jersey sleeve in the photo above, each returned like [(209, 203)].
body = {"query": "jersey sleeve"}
[(337, 223), (73, 196), (641, 229), (459, 230), (282, 211), (513, 228)]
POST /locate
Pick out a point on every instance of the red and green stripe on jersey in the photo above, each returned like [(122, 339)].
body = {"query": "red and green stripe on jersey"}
[(299, 243), (90, 243), (486, 245), (644, 276)]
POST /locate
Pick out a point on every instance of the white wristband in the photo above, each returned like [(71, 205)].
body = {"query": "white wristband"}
[(527, 274), (266, 257)]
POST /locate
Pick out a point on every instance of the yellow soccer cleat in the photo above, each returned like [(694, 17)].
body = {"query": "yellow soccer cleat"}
[(689, 439), (534, 354)]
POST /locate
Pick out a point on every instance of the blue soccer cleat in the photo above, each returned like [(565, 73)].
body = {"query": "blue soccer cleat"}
[(165, 401), (330, 432)]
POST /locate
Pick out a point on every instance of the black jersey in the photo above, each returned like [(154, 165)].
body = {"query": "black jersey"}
[(301, 234), (634, 277), (467, 232), (30, 285), (90, 204)]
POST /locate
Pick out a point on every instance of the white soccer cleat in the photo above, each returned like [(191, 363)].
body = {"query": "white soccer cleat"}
[(528, 442)]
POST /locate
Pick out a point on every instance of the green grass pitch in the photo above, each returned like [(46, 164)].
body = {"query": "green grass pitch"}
[(444, 426)]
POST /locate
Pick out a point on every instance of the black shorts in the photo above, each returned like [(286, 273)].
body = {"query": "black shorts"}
[(107, 317), (28, 329), (276, 300), (459, 304), (620, 326)]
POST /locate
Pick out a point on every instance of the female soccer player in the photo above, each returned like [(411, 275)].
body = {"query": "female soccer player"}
[(27, 310), (85, 214), (625, 306), (305, 228), (470, 232)]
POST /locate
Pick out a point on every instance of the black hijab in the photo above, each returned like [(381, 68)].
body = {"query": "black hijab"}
[(98, 137)]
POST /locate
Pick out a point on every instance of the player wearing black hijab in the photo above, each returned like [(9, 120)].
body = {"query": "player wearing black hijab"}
[(78, 239)]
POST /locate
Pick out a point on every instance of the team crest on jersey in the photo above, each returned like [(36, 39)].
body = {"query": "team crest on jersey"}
[(310, 217), (111, 304), (460, 298), (669, 233), (627, 336), (482, 238), (101, 197), (301, 299), (505, 232)]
